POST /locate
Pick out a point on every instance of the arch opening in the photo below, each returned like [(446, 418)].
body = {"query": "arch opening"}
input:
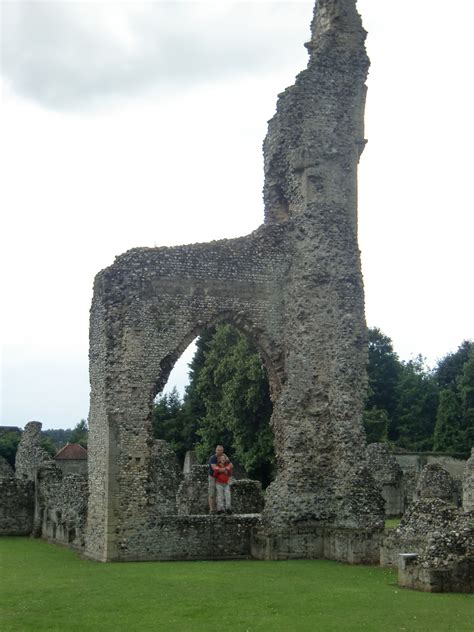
[(224, 400)]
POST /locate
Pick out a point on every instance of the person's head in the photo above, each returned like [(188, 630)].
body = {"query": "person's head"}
[(219, 450), (222, 459)]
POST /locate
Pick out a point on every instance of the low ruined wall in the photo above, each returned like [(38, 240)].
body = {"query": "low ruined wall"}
[(447, 562), (353, 546), (192, 496), (16, 506), (424, 517), (459, 579), (190, 538), (247, 496), (61, 507)]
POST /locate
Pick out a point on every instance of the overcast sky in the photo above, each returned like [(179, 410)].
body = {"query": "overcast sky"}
[(141, 124)]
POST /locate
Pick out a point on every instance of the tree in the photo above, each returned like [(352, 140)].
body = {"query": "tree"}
[(59, 436), (375, 423), (8, 446), (454, 429), (451, 366), (383, 372), (417, 402), (233, 387), (171, 423), (448, 422), (48, 444), (80, 433)]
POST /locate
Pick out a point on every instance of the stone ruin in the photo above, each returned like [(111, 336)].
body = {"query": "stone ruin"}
[(42, 498), (294, 286), (388, 476), (401, 477), (433, 546)]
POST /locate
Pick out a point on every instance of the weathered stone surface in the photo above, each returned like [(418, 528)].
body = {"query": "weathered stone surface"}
[(164, 479), (435, 482), (423, 518), (294, 286), (61, 506), (6, 470), (192, 497), (190, 538), (30, 455), (388, 476), (247, 496), (16, 506), (468, 484), (447, 562)]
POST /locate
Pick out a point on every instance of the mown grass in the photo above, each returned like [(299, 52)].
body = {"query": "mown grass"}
[(47, 588), (391, 523)]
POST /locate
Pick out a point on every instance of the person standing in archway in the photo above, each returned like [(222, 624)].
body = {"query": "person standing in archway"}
[(213, 460), (223, 473)]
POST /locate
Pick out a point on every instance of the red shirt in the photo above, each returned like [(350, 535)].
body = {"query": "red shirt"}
[(222, 477)]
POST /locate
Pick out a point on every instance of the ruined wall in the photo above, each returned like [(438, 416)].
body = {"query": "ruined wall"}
[(468, 484), (61, 507), (294, 286), (435, 482), (30, 455), (16, 506), (192, 497), (422, 518), (6, 470), (446, 563), (388, 476)]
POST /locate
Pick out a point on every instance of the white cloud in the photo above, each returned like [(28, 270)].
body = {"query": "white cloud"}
[(97, 159), (67, 55)]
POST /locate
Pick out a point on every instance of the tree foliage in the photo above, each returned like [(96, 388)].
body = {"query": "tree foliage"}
[(233, 387), (454, 429), (415, 410), (80, 433), (227, 401), (8, 446)]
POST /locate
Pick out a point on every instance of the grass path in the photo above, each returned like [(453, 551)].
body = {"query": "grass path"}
[(48, 588)]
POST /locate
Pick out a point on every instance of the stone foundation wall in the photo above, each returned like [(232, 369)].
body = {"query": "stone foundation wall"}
[(190, 538), (446, 563), (354, 546)]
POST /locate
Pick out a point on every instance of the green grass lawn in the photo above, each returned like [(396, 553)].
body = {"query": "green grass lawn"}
[(48, 588)]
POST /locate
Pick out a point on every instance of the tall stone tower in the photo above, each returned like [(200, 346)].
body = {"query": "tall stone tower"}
[(295, 287)]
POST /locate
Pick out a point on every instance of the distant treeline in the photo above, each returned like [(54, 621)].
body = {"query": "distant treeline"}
[(51, 440)]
